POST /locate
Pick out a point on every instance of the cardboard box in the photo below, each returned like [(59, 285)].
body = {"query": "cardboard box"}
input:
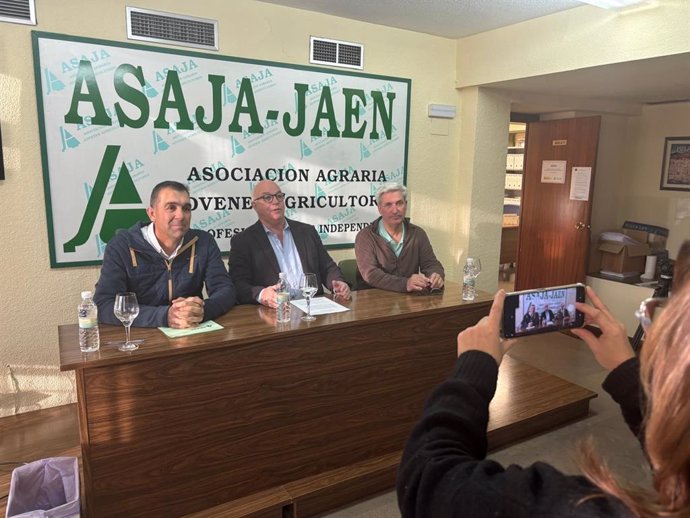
[(511, 220), (624, 258), (653, 235)]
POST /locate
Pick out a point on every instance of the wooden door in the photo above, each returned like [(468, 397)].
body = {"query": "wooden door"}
[(553, 246)]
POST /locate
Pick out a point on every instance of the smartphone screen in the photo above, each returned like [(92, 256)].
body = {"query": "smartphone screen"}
[(543, 310)]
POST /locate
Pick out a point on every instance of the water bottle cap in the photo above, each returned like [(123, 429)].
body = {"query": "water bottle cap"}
[(86, 295)]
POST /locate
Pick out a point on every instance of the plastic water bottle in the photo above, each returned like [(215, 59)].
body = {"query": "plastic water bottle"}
[(89, 338), (468, 291), (283, 307), (469, 273)]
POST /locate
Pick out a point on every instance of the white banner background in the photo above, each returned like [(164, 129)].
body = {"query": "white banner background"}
[(341, 173)]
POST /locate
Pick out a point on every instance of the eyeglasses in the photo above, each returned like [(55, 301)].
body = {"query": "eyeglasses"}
[(268, 198), (648, 308)]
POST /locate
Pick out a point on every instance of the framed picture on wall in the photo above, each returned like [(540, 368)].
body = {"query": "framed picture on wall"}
[(675, 168)]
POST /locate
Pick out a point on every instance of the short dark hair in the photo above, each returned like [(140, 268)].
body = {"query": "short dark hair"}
[(167, 184)]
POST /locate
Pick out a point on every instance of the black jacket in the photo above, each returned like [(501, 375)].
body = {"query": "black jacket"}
[(130, 263), (444, 472), (253, 264)]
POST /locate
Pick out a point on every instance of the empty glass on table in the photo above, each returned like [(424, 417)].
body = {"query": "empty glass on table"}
[(126, 310), (308, 288)]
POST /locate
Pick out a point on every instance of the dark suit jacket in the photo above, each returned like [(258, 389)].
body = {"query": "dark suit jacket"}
[(527, 319), (253, 264), (548, 313)]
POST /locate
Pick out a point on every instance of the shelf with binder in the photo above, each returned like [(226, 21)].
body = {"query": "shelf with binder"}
[(512, 195), (515, 159)]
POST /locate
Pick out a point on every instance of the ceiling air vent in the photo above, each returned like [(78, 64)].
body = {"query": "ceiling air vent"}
[(173, 29), (18, 11), (336, 53)]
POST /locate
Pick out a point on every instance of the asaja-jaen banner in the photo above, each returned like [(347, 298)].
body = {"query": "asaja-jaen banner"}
[(117, 118)]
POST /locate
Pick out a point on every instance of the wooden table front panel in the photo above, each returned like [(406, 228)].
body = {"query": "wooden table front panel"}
[(177, 433)]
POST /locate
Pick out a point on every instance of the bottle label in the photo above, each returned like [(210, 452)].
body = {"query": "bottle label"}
[(87, 323), (283, 297)]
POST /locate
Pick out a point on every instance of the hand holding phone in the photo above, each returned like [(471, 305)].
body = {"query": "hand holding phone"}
[(484, 335), (542, 310), (611, 347)]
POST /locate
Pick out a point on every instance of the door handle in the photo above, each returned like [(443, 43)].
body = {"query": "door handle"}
[(580, 225)]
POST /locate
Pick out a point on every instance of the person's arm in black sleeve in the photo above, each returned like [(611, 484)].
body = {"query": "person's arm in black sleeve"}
[(443, 472), (623, 384), (449, 439)]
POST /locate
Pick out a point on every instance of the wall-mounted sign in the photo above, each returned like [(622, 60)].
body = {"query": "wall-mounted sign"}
[(117, 118), (579, 183), (553, 171), (559, 142)]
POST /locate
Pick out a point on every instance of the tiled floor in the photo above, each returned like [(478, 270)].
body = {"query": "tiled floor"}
[(570, 359)]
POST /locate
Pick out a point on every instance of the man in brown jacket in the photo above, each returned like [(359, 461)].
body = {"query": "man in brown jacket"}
[(392, 253)]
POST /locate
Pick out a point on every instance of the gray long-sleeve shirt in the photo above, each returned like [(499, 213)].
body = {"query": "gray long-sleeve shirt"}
[(379, 265)]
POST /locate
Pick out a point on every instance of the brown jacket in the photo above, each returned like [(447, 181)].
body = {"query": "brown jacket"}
[(380, 267)]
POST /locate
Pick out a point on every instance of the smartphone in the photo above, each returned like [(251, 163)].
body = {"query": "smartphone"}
[(542, 311)]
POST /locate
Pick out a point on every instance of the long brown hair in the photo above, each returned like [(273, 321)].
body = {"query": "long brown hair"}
[(665, 376)]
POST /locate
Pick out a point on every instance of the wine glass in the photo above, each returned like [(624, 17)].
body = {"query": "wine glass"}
[(475, 266), (126, 310), (308, 288)]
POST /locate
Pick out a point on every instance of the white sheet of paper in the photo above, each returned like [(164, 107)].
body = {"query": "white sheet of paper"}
[(553, 171), (579, 183), (682, 209), (319, 306)]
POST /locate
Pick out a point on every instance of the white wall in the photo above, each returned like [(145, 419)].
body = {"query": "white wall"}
[(578, 38), (640, 198)]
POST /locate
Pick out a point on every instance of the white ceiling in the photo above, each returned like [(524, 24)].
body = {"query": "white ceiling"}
[(620, 87), (449, 18)]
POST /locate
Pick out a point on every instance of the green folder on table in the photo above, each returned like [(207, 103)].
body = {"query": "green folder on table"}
[(204, 327)]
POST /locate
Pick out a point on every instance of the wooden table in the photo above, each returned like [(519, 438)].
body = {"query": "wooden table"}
[(261, 419)]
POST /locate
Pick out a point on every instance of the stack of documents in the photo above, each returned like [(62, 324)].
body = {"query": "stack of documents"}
[(619, 275), (618, 237), (319, 306)]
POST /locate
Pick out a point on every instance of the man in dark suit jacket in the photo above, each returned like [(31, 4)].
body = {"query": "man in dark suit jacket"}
[(547, 316), (254, 265)]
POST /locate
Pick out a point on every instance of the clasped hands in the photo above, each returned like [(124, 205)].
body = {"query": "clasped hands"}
[(269, 295), (420, 282), (185, 312)]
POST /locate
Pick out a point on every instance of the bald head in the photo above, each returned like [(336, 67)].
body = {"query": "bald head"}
[(265, 187), (268, 202)]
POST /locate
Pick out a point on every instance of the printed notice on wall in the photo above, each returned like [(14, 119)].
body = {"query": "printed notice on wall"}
[(553, 171), (579, 183)]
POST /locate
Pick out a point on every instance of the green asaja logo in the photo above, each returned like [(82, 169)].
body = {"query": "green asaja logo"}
[(125, 192), (67, 139), (52, 83)]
